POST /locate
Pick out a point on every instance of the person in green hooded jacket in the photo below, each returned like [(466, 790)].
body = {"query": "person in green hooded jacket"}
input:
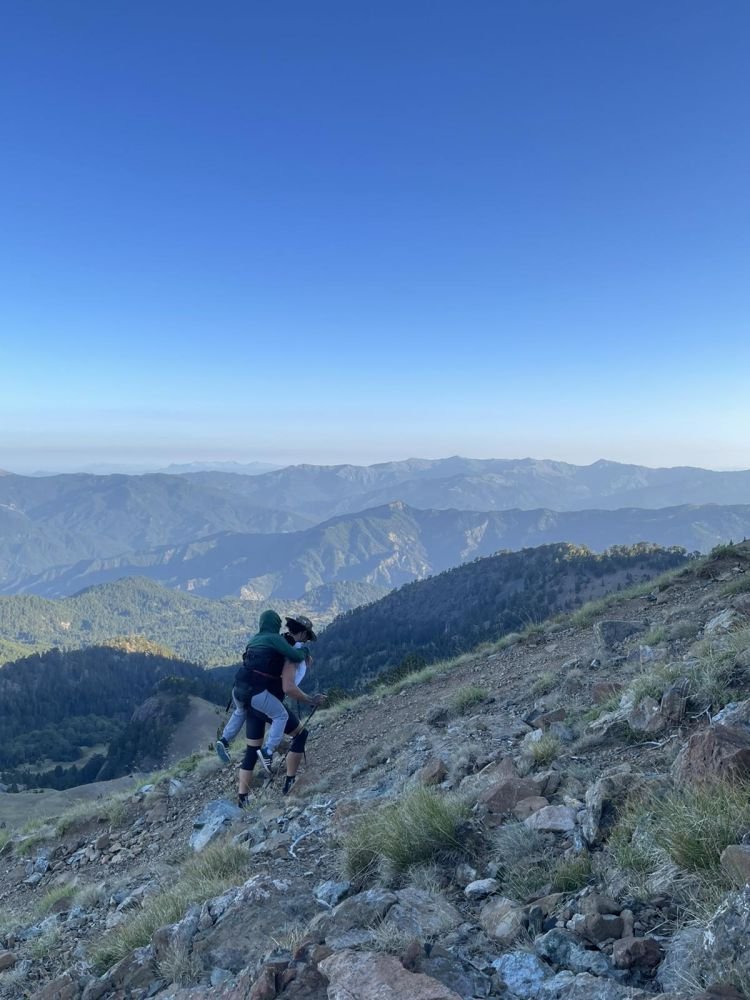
[(267, 676)]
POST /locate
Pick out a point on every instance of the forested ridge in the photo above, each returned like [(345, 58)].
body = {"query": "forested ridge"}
[(198, 629), (480, 601), (56, 704)]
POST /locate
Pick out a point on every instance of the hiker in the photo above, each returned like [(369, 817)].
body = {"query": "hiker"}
[(272, 670), (299, 632)]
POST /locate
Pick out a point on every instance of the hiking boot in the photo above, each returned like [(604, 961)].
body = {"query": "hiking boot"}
[(288, 782), (222, 749), (265, 756), (242, 801)]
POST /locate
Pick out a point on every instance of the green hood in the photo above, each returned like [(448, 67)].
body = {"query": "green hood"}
[(269, 622)]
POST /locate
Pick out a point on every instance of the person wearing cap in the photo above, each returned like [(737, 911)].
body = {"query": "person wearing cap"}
[(270, 670), (267, 639)]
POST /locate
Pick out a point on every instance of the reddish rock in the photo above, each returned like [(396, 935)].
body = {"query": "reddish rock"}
[(65, 987), (526, 807), (674, 700), (719, 752), (604, 690), (547, 718), (601, 926), (501, 798), (641, 953), (433, 772), (363, 975), (7, 960)]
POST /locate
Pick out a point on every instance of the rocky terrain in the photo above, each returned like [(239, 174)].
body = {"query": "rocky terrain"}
[(563, 815)]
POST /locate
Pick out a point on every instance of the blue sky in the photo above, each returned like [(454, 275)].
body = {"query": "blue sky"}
[(340, 231)]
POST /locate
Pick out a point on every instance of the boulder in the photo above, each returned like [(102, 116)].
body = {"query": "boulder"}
[(640, 953), (481, 888), (718, 752), (351, 922), (552, 819), (7, 960), (362, 975), (521, 973), (502, 919), (421, 914), (602, 927), (433, 773), (725, 939), (567, 986), (675, 699), (646, 717), (212, 821), (330, 893), (566, 951), (501, 797), (527, 807), (681, 954), (725, 621)]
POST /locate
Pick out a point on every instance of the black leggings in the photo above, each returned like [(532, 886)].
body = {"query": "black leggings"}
[(255, 726)]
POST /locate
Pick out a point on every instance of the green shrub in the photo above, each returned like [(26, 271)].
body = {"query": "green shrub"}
[(545, 750), (46, 903), (571, 874), (420, 828), (544, 683), (465, 698)]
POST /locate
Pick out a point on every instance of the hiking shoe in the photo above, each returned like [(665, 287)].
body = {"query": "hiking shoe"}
[(242, 802), (265, 756), (222, 749), (288, 782)]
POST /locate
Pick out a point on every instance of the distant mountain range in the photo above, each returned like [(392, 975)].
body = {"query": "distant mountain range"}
[(62, 519), (321, 492), (384, 547)]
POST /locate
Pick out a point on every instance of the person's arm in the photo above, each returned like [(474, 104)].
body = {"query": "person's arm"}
[(290, 688), (291, 653)]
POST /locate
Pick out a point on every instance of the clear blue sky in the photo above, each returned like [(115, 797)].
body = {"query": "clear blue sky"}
[(338, 231)]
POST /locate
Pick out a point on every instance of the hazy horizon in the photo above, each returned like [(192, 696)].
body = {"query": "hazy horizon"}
[(106, 466)]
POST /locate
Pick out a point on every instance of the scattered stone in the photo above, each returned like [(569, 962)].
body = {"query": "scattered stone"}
[(421, 914), (502, 919), (552, 819), (481, 888), (610, 633), (599, 927), (433, 773), (675, 699), (566, 951), (527, 807), (212, 821), (362, 975), (633, 952), (725, 621), (646, 716), (725, 938), (331, 893), (7, 960), (522, 973)]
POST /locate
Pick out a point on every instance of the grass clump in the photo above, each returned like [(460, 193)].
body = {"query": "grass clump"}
[(571, 874), (47, 902), (674, 842), (4, 838), (654, 636), (544, 683), (42, 946), (465, 698), (545, 750), (422, 827), (206, 875)]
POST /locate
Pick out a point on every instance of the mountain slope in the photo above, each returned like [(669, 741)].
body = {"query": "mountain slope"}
[(478, 602), (386, 547), (59, 520)]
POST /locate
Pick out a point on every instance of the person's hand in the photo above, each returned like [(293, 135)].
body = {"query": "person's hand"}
[(319, 699), (308, 660)]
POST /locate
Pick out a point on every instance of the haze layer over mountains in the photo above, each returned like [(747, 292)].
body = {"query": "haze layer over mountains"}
[(286, 532)]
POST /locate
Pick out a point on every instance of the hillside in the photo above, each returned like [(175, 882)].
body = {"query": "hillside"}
[(58, 520), (195, 628), (121, 705), (322, 492), (563, 818), (479, 602), (385, 547)]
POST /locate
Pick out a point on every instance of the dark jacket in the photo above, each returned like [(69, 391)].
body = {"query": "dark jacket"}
[(263, 660)]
